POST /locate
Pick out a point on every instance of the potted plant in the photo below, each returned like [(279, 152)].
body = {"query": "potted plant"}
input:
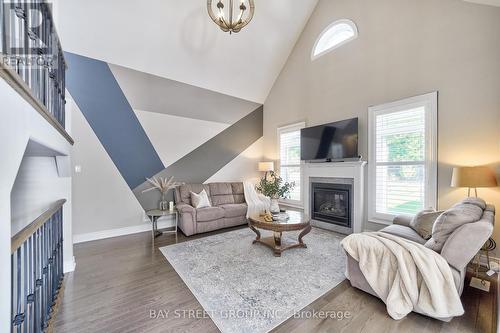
[(275, 188)]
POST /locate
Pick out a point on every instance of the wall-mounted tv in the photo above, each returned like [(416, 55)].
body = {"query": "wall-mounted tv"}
[(330, 142)]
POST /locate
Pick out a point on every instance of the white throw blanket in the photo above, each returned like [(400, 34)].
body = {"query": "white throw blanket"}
[(407, 276), (256, 202)]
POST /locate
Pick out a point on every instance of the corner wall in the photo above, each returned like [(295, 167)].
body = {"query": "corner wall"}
[(405, 48)]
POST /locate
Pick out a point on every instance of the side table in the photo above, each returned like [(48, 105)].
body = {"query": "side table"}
[(155, 214)]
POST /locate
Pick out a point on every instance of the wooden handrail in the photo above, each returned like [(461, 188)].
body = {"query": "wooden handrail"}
[(13, 79), (30, 229)]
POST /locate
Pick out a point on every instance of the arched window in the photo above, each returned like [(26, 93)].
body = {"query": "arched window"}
[(336, 34)]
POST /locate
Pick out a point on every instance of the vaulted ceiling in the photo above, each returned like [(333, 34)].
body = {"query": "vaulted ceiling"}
[(177, 40)]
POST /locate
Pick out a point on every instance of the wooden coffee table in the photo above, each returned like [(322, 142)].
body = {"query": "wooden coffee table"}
[(297, 221)]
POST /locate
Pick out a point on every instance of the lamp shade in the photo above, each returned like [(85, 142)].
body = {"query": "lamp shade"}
[(266, 166), (473, 177)]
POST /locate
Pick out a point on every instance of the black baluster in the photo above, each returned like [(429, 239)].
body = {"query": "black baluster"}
[(45, 275), (12, 291), (37, 282), (61, 243), (51, 254), (13, 33), (19, 317), (49, 284), (59, 271), (60, 247), (31, 296), (25, 285), (26, 40), (43, 286), (2, 28)]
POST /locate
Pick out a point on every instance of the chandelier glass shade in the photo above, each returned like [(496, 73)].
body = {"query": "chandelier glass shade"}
[(231, 15)]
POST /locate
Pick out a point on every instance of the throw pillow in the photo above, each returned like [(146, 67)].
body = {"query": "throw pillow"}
[(423, 222), (451, 220), (200, 200)]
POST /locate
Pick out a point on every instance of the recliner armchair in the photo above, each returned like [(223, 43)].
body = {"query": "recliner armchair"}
[(459, 249)]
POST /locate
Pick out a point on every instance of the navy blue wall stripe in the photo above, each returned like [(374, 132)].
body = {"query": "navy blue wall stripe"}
[(101, 100)]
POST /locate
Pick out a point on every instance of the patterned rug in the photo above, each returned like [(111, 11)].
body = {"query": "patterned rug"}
[(244, 288)]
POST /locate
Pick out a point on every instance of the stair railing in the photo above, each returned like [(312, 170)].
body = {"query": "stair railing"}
[(37, 271), (30, 48)]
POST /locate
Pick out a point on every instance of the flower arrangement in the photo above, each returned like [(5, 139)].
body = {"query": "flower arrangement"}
[(162, 184), (274, 186)]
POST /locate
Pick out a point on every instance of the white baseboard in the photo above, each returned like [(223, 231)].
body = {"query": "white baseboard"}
[(91, 236), (69, 265)]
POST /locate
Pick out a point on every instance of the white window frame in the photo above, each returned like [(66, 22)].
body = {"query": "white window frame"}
[(429, 101), (282, 130), (330, 49)]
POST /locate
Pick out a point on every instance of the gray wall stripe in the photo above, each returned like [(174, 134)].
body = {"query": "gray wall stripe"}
[(206, 160), (147, 92)]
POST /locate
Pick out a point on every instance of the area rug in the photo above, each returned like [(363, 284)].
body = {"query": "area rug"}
[(244, 288)]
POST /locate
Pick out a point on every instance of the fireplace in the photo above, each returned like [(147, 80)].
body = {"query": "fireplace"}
[(331, 202), (347, 215)]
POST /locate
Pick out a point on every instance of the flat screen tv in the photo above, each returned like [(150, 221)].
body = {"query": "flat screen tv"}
[(330, 142)]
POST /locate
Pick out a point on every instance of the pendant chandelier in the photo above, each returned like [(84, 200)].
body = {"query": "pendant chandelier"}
[(225, 16)]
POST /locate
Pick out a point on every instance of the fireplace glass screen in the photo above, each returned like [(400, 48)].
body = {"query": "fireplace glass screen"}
[(332, 203)]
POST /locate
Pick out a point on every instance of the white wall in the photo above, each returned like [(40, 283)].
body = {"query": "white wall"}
[(37, 186), (19, 123), (405, 48), (173, 137), (102, 199)]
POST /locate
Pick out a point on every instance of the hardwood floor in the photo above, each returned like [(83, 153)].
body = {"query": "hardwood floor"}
[(119, 281)]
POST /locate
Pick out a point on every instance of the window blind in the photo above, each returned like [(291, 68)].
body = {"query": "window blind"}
[(290, 160), (400, 154)]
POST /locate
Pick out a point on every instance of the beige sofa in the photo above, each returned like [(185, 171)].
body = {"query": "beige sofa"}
[(458, 250), (228, 207)]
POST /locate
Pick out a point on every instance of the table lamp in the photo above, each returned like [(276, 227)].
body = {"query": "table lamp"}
[(473, 177), (266, 167)]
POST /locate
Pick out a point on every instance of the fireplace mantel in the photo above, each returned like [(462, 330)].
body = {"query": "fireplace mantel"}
[(346, 170)]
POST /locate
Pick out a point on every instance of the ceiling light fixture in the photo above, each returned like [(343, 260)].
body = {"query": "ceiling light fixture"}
[(226, 19)]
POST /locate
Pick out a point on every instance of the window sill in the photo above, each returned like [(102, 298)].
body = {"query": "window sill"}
[(378, 221)]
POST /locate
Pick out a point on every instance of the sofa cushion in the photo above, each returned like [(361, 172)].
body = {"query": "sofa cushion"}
[(404, 232), (423, 222), (185, 191), (209, 214), (453, 218), (234, 210), (238, 193), (221, 194)]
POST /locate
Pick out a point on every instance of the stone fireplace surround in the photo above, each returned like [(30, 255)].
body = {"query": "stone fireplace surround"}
[(337, 173)]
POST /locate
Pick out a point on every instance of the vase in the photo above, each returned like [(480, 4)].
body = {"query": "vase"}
[(275, 207), (163, 204)]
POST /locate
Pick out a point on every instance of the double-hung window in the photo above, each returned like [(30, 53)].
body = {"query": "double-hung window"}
[(289, 160), (402, 157)]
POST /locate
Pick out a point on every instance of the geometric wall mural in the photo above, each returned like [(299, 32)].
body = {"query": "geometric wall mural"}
[(153, 126)]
